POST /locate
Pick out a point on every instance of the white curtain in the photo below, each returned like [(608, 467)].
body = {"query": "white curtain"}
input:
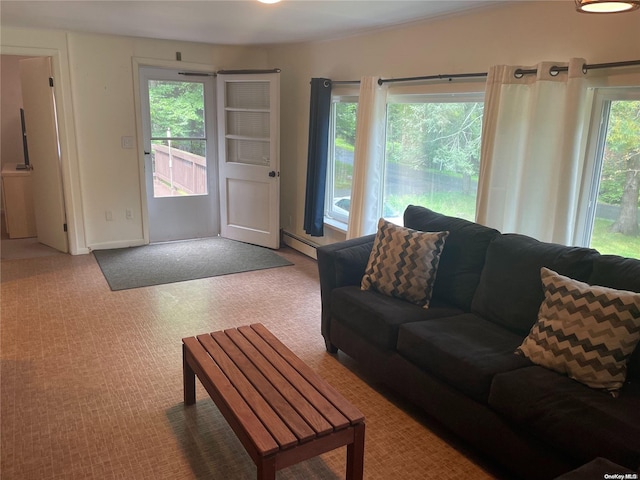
[(368, 161), (530, 168)]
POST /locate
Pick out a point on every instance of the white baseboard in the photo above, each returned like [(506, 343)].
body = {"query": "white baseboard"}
[(302, 245), (118, 244)]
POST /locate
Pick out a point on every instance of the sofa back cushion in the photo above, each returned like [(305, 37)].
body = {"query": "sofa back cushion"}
[(623, 274), (463, 256), (510, 289)]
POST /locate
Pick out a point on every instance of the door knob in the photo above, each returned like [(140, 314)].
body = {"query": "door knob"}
[(272, 173)]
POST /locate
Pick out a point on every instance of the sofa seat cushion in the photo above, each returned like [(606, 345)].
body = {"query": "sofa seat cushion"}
[(464, 351), (376, 317), (570, 416)]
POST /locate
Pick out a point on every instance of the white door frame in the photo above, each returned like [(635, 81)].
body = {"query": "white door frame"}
[(137, 63), (71, 187)]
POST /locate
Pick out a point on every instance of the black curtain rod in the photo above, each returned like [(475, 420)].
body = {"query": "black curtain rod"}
[(247, 72), (518, 73), (229, 72), (197, 74), (432, 77), (329, 83), (555, 70)]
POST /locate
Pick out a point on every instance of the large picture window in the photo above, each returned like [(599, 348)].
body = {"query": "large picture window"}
[(613, 209), (342, 138), (432, 154)]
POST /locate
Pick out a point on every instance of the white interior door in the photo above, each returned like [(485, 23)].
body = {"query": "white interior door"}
[(178, 116), (249, 157), (44, 151)]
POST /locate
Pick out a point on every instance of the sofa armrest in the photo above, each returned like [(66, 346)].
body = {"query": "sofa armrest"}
[(340, 264)]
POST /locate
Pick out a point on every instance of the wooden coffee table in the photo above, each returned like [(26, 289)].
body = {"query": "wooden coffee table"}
[(281, 411)]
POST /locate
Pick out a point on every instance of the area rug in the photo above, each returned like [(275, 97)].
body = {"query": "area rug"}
[(171, 262)]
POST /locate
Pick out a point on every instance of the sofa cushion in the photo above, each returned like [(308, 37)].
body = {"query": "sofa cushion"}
[(586, 332), (623, 274), (510, 291), (465, 351), (598, 468), (376, 317), (404, 262), (462, 258), (570, 416)]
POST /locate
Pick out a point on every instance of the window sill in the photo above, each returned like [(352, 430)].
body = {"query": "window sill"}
[(335, 224)]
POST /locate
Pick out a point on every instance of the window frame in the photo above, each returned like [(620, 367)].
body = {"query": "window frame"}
[(596, 127), (333, 218)]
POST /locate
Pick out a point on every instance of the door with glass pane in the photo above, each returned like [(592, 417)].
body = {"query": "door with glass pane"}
[(181, 185), (249, 164)]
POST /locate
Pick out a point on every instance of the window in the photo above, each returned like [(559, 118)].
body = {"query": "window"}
[(432, 154), (342, 138), (178, 137), (614, 158)]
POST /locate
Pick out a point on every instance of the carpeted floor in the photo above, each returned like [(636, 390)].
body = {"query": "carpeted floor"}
[(91, 379), (161, 263)]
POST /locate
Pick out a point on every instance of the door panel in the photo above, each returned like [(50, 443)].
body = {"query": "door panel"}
[(178, 116), (249, 157), (42, 135)]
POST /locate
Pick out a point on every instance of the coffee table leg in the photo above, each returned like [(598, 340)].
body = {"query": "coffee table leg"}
[(188, 378), (355, 454), (267, 468)]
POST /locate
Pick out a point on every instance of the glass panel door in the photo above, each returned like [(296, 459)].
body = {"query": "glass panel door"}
[(178, 118)]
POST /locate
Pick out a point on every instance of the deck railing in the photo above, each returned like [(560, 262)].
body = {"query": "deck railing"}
[(186, 171)]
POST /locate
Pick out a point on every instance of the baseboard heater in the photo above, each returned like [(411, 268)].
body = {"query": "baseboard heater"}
[(301, 244)]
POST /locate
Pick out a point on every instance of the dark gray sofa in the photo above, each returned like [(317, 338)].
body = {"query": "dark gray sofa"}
[(456, 361)]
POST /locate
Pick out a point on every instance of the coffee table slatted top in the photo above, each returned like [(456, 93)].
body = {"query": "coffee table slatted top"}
[(279, 400)]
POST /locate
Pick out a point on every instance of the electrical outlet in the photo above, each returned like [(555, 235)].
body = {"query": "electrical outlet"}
[(108, 215), (129, 214)]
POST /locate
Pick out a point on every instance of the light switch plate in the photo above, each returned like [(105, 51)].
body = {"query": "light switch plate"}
[(127, 142)]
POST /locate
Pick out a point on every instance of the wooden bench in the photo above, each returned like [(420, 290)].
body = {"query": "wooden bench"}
[(281, 411)]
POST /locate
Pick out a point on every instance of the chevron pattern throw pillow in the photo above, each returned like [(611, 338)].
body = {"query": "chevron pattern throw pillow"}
[(404, 262), (584, 331)]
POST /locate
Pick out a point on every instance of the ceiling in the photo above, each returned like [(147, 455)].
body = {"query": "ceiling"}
[(230, 22)]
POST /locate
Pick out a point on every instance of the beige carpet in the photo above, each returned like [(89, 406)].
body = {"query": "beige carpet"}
[(91, 380)]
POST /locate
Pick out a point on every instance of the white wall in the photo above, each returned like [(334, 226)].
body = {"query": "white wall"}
[(520, 33), (97, 102), (102, 76), (96, 93)]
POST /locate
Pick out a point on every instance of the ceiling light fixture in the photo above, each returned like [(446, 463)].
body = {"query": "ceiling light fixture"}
[(268, 1), (606, 6)]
